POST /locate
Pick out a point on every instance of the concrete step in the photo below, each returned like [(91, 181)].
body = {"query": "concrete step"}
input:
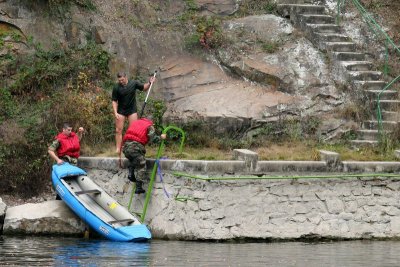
[(291, 10), (388, 116), (357, 65), (384, 95), (308, 9), (367, 75), (324, 28), (305, 19), (340, 46), (374, 125), (331, 37), (348, 56), (369, 85), (388, 105), (364, 143), (368, 135)]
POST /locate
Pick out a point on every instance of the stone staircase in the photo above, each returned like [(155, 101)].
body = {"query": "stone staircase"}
[(351, 66)]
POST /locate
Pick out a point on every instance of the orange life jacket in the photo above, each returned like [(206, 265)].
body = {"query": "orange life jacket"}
[(69, 145), (137, 131)]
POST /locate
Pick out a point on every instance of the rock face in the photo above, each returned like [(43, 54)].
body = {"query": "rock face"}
[(264, 68), (285, 61), (199, 90), (50, 217)]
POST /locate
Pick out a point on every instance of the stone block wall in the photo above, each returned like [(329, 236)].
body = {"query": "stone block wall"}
[(277, 209)]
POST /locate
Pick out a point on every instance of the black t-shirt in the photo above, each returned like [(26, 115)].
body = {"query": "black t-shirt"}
[(126, 97)]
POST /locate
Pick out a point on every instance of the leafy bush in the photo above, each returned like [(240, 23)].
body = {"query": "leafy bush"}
[(46, 71), (208, 33), (154, 107), (50, 88), (25, 169), (90, 109), (7, 104), (209, 29)]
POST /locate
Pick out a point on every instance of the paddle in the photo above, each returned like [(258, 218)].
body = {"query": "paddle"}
[(145, 100)]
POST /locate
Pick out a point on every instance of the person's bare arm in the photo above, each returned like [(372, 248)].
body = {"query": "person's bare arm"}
[(80, 132), (55, 157), (115, 108), (146, 86)]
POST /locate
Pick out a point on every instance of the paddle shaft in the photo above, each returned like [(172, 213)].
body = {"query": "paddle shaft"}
[(147, 96)]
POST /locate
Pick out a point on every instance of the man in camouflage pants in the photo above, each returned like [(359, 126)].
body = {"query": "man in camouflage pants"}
[(138, 134)]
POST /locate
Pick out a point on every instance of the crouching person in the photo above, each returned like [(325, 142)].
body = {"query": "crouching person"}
[(139, 133), (66, 146)]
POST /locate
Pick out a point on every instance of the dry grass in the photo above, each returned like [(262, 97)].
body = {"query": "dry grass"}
[(294, 150), (108, 150), (302, 151), (288, 151), (105, 150)]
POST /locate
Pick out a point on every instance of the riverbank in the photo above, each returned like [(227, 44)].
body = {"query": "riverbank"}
[(287, 201), (263, 200)]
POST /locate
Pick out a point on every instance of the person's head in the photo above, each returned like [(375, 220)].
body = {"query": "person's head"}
[(67, 129), (122, 79)]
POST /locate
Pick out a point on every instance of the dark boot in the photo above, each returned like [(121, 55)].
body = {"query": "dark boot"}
[(131, 175), (139, 188)]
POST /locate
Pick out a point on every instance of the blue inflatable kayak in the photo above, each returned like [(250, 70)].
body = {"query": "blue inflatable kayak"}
[(95, 206)]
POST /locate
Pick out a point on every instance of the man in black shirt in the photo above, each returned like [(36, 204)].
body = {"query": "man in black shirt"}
[(124, 103)]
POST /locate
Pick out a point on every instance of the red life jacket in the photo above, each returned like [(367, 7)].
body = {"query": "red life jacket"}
[(137, 131), (69, 145)]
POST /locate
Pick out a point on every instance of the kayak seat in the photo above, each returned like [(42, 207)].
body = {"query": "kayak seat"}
[(121, 221), (94, 191)]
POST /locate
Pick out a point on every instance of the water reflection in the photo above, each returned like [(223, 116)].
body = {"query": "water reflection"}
[(102, 252), (57, 251)]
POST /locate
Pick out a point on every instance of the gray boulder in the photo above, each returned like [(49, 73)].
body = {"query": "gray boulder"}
[(50, 217)]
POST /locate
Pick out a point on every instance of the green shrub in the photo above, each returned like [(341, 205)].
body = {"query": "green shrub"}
[(25, 169), (52, 87), (7, 104), (191, 9), (86, 108), (192, 41), (210, 32), (46, 71)]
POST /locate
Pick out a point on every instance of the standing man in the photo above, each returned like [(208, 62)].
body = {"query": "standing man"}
[(124, 103), (138, 134), (66, 146)]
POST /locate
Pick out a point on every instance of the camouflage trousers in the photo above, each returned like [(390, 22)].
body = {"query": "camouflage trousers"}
[(135, 152)]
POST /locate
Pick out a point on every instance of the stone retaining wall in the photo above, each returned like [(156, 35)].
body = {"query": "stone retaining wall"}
[(336, 208)]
